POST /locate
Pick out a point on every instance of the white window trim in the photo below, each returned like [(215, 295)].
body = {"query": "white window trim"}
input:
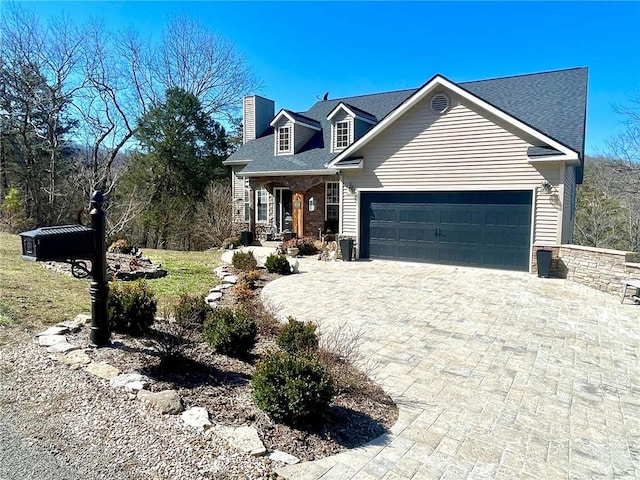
[(257, 196), (277, 140), (334, 131), (326, 200)]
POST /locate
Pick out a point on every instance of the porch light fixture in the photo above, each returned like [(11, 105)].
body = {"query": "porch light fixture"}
[(546, 187)]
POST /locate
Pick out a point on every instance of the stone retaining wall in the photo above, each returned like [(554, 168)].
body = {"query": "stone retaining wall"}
[(599, 268)]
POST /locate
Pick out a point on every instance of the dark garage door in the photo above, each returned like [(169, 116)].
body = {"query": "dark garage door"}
[(488, 229)]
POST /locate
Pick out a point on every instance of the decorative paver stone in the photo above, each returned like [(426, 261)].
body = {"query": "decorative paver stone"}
[(167, 401), (197, 417), (102, 370), (243, 438)]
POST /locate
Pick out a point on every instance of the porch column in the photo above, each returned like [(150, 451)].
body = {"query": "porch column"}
[(298, 213)]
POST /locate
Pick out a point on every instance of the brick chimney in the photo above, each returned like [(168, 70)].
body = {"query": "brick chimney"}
[(257, 113)]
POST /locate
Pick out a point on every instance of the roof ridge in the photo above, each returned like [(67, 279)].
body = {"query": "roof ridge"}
[(523, 75), (372, 94)]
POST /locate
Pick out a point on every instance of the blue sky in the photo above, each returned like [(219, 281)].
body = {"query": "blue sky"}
[(302, 50)]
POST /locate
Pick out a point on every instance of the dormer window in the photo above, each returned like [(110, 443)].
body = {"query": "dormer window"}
[(284, 139), (342, 134)]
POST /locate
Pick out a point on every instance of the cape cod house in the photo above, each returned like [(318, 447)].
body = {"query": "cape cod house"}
[(477, 173)]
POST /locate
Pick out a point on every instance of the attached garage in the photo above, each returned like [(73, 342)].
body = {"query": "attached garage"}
[(486, 229)]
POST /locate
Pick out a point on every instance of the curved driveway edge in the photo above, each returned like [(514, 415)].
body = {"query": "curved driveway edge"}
[(496, 374)]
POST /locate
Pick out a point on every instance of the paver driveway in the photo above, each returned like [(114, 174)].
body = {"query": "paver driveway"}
[(496, 374)]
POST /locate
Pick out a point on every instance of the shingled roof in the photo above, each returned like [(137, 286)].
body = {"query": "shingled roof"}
[(554, 103)]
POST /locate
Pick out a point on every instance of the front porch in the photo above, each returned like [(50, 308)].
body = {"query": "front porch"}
[(307, 206)]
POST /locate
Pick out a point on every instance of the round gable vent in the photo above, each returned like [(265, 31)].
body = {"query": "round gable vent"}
[(440, 103)]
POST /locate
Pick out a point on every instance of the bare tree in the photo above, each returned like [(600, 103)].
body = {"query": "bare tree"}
[(38, 84), (195, 59)]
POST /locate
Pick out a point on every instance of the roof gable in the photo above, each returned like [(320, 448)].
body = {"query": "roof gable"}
[(441, 82)]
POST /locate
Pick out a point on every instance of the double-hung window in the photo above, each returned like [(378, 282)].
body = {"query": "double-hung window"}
[(284, 139), (332, 202), (262, 205), (342, 131)]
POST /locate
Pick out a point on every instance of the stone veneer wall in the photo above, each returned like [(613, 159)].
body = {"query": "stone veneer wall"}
[(599, 268)]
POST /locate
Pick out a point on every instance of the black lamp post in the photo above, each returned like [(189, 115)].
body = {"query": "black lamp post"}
[(99, 288)]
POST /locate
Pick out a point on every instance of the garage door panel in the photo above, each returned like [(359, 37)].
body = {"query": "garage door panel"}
[(463, 228)]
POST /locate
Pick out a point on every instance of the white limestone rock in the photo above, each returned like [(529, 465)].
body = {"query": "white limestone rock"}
[(48, 340), (232, 279), (213, 297), (52, 331), (197, 417), (221, 271), (61, 347), (283, 457), (244, 438), (136, 386), (122, 380)]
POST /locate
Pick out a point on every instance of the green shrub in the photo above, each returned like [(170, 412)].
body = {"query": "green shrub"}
[(277, 264), (131, 307), (292, 388), (191, 309), (244, 261), (297, 336), (230, 332)]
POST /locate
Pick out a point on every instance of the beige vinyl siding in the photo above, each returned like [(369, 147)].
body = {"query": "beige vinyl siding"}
[(568, 211), (237, 188), (349, 214), (301, 136), (257, 114), (455, 151)]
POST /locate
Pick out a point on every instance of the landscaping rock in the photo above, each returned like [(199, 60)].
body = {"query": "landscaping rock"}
[(232, 279), (74, 357), (57, 330), (136, 386), (125, 379), (221, 271), (167, 401), (220, 288), (48, 340), (61, 347), (283, 457), (77, 323), (213, 297), (197, 417), (245, 439), (294, 264), (102, 370)]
